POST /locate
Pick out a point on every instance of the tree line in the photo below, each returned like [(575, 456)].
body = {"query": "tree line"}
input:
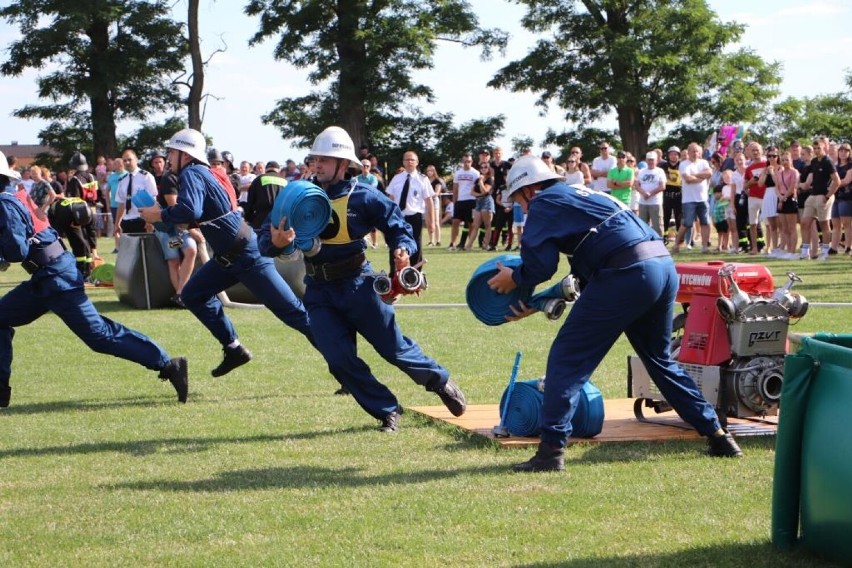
[(651, 64)]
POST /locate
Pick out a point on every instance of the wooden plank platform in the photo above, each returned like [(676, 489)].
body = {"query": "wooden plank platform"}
[(620, 425)]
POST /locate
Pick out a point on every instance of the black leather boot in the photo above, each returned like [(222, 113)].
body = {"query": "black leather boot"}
[(547, 458)]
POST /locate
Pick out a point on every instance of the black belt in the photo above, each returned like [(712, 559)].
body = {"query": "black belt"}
[(634, 254), (336, 270), (42, 257), (241, 241)]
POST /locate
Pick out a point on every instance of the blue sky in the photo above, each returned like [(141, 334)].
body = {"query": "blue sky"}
[(807, 38)]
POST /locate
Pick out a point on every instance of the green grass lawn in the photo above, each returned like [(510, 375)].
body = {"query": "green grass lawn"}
[(100, 466)]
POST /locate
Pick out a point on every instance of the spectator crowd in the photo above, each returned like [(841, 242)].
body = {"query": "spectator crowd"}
[(791, 202)]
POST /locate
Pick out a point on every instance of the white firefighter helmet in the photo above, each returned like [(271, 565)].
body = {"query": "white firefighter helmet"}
[(190, 141), (5, 170), (334, 142), (529, 170)]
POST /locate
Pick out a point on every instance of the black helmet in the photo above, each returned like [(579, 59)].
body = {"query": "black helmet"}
[(68, 211), (157, 154), (214, 155), (78, 162), (228, 157)]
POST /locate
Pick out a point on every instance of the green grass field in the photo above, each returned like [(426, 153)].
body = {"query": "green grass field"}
[(100, 466)]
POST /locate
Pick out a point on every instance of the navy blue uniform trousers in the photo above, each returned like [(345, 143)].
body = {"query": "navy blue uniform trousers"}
[(637, 300), (24, 305), (259, 275), (339, 310)]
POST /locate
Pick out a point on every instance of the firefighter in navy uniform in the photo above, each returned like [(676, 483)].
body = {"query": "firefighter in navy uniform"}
[(236, 258), (339, 296), (630, 285), (56, 285), (83, 185)]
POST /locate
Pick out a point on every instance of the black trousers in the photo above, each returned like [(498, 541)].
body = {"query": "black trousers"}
[(672, 204), (133, 225)]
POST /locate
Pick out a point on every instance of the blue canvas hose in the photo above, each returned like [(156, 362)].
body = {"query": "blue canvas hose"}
[(307, 209), (491, 307), (521, 415), (488, 306), (507, 396)]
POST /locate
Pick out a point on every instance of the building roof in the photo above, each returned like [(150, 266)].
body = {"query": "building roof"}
[(24, 151)]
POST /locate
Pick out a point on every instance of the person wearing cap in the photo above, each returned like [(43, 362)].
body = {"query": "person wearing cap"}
[(261, 195), (734, 150), (236, 258), (672, 201), (484, 155), (628, 284), (339, 291), (56, 285), (650, 184), (619, 180)]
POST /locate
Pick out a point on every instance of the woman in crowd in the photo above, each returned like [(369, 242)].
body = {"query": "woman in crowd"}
[(573, 173), (786, 183), (841, 210), (433, 224), (483, 211), (577, 154), (769, 209)]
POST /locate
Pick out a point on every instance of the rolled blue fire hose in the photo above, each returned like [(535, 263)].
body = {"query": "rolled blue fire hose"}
[(307, 209), (491, 308), (522, 415)]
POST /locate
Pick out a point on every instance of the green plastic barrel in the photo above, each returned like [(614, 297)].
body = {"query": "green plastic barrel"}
[(812, 489)]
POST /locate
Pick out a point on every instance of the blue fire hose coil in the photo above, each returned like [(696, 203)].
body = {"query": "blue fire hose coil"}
[(490, 307), (307, 209), (522, 415)]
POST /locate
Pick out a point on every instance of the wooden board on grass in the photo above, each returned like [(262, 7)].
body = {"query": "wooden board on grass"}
[(620, 425)]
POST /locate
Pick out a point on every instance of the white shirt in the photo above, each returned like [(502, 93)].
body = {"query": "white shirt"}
[(694, 192), (245, 182), (419, 190), (575, 178), (137, 181), (465, 180), (602, 165), (738, 180), (650, 180)]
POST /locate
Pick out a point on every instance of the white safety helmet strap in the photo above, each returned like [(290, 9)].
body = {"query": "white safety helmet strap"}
[(190, 141), (334, 142), (529, 170)]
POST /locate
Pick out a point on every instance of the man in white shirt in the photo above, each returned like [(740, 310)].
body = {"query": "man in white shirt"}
[(650, 184), (412, 192), (694, 174), (127, 218), (463, 199), (601, 166)]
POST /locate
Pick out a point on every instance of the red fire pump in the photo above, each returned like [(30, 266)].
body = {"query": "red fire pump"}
[(731, 338)]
